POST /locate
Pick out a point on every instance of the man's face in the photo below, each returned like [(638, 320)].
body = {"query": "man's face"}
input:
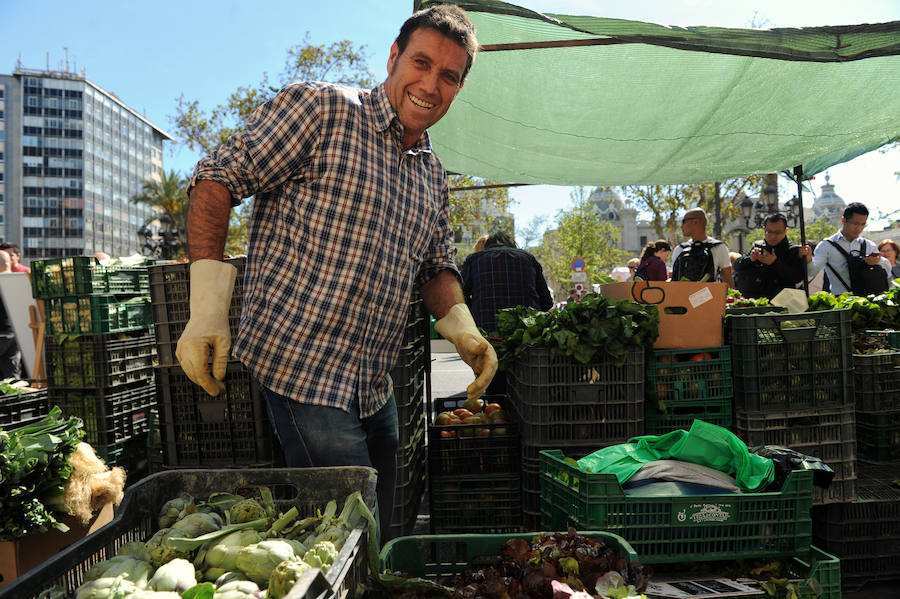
[(693, 227), (774, 232), (853, 226), (423, 81)]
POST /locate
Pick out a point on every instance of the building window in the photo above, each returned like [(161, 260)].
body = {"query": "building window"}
[(643, 240), (1, 115)]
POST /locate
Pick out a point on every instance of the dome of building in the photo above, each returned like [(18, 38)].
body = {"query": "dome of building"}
[(608, 202), (829, 204)]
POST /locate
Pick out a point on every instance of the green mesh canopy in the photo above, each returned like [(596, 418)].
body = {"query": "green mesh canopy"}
[(615, 102)]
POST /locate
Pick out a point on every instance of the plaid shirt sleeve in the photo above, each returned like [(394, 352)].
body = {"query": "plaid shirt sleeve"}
[(441, 252), (273, 147)]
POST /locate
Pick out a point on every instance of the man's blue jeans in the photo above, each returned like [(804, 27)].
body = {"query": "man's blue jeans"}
[(321, 436)]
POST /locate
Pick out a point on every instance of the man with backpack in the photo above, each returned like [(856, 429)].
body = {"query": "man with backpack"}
[(702, 258), (851, 262), (772, 264)]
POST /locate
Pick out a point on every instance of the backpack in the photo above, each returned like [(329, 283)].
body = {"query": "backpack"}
[(695, 262), (864, 279)]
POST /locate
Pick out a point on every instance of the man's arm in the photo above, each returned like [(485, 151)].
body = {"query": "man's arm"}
[(207, 220), (726, 277), (441, 293)]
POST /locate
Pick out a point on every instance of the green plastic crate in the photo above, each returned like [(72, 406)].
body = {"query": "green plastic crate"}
[(438, 556), (103, 360), (876, 381), (681, 415), (690, 375), (679, 528), (84, 275), (96, 314), (889, 335)]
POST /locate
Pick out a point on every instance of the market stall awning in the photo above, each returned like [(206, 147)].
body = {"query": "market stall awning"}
[(571, 100)]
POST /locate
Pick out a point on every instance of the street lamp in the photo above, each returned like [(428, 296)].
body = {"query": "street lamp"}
[(166, 244), (793, 208)]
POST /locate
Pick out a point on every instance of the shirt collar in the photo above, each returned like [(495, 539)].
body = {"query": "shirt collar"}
[(386, 119)]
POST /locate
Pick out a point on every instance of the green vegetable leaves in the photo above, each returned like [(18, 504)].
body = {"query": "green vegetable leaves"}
[(588, 331)]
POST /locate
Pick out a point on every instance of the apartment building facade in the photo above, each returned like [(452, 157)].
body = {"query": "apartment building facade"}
[(72, 155)]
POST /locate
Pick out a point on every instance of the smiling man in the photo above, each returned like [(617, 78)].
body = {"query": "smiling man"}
[(350, 215)]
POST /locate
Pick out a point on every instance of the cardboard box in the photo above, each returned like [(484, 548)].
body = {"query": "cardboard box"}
[(690, 314), (19, 556)]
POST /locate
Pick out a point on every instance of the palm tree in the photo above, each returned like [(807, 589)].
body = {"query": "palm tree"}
[(168, 197)]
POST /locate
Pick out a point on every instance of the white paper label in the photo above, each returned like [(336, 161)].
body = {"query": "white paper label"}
[(699, 298)]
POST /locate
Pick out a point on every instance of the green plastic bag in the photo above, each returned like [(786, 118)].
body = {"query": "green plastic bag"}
[(706, 444)]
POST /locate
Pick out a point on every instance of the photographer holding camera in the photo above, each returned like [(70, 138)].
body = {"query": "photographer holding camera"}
[(772, 264)]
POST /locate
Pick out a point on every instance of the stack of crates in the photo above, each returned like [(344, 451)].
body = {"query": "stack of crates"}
[(99, 352), (473, 471), (23, 409), (196, 430), (688, 384), (408, 376), (864, 534), (560, 403), (876, 379), (793, 387)]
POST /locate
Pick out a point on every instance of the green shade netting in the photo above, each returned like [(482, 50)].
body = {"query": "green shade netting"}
[(705, 444), (675, 105)]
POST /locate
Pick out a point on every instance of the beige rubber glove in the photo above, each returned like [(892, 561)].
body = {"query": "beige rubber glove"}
[(459, 328), (211, 285)]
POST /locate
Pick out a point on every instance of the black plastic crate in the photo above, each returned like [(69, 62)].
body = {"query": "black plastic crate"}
[(407, 501), (230, 430), (170, 303), (131, 455), (480, 504), (827, 433), (878, 435), (111, 416), (465, 449), (100, 360), (864, 534), (784, 362), (23, 409), (681, 415), (409, 366), (531, 478), (559, 400), (410, 400), (411, 458), (876, 381), (136, 520)]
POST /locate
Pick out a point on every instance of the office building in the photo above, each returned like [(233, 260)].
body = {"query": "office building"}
[(72, 155)]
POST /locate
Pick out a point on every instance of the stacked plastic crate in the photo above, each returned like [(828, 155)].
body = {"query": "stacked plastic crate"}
[(99, 352), (408, 376), (688, 384), (864, 534), (230, 430), (23, 408), (876, 380), (559, 403), (793, 387), (473, 469)]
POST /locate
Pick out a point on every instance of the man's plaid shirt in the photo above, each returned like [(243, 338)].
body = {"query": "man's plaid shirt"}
[(344, 224)]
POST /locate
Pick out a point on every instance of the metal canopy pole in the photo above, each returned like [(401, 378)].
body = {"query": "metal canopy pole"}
[(798, 177)]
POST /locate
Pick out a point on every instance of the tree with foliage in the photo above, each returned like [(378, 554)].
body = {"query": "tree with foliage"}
[(666, 203), (479, 206), (581, 232), (167, 196), (532, 233)]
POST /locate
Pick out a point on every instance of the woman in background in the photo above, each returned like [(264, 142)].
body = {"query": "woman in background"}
[(890, 250), (653, 262)]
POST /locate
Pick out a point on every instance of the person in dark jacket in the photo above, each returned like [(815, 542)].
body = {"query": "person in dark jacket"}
[(772, 264), (502, 276), (652, 266)]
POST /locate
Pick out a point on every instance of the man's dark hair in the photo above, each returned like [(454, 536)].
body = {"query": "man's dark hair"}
[(499, 239), (776, 218), (10, 246), (855, 208), (447, 19)]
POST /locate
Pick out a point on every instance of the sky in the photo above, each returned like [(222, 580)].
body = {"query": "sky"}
[(151, 53)]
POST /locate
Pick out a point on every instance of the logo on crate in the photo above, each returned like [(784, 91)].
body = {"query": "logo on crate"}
[(702, 513)]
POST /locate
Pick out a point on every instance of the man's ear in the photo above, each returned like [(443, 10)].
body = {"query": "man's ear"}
[(395, 52)]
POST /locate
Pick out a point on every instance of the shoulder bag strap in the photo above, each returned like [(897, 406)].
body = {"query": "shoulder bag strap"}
[(847, 256)]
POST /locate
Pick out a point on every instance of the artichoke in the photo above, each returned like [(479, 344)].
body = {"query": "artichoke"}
[(134, 549), (191, 526), (154, 595), (283, 578), (258, 560), (198, 523), (218, 558), (246, 510), (158, 552), (238, 589), (134, 570), (177, 575), (173, 508), (321, 555), (117, 587)]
